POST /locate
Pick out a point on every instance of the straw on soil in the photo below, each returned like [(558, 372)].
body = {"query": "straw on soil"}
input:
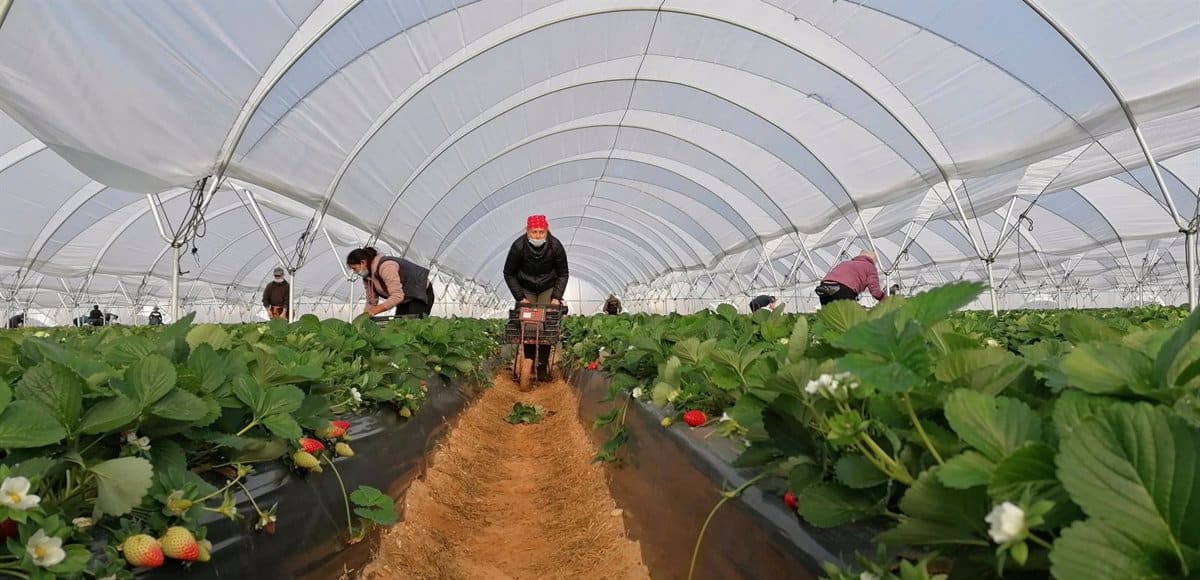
[(508, 501)]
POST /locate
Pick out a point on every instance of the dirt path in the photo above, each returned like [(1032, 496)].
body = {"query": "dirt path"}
[(511, 501)]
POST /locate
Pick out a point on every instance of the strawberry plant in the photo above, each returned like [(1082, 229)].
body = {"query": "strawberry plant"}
[(118, 443), (1030, 444)]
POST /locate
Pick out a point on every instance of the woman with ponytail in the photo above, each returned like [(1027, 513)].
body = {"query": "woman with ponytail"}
[(392, 282)]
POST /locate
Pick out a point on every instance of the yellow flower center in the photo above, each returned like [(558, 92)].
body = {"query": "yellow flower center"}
[(14, 497), (39, 552)]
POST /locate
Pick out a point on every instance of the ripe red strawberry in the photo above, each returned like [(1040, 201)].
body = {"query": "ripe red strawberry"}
[(311, 445), (142, 551), (8, 529), (695, 418), (789, 498), (593, 366), (180, 544)]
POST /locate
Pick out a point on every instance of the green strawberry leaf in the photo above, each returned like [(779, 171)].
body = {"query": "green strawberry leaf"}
[(828, 505), (936, 304), (109, 415), (841, 315), (283, 426), (1074, 406), (856, 472), (150, 378), (180, 405), (1105, 368), (1080, 328), (122, 484), (939, 515), (374, 505), (995, 426), (6, 396), (966, 470), (1133, 470), (25, 424), (210, 334), (57, 388)]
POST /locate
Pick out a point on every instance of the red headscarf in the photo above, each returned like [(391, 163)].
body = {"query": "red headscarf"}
[(537, 222)]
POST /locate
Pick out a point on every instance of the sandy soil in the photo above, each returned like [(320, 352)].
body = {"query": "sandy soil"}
[(514, 502)]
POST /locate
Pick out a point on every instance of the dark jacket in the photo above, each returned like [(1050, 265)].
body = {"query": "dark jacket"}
[(759, 302), (276, 293), (536, 270), (395, 281)]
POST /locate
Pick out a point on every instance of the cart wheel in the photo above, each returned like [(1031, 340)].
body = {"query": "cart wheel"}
[(526, 374)]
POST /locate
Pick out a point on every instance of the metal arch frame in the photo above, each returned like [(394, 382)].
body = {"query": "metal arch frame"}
[(613, 268), (593, 273), (1125, 108), (448, 242), (222, 211), (617, 264), (530, 140), (710, 244), (725, 210), (646, 240), (1188, 229), (402, 99), (266, 84)]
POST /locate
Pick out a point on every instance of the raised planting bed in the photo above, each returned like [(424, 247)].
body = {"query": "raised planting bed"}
[(668, 480), (270, 450), (1020, 446), (310, 537)]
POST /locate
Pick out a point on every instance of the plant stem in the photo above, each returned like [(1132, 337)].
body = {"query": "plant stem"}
[(252, 425), (250, 497), (899, 472), (912, 415), (345, 497), (700, 538), (725, 496), (1040, 542)]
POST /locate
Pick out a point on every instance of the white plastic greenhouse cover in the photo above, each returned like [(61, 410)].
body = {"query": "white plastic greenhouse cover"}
[(686, 151)]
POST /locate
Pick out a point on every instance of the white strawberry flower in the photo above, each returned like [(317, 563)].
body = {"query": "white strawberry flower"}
[(724, 417), (142, 443), (45, 550), (1007, 522), (637, 392), (82, 523), (992, 343), (14, 494), (783, 340), (357, 396)]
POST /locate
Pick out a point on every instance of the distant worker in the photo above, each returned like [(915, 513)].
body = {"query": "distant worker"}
[(155, 317), (850, 278), (96, 317), (612, 306), (276, 296), (111, 319), (762, 301), (17, 321), (392, 282), (894, 290)]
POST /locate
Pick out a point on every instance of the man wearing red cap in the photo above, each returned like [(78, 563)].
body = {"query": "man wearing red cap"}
[(536, 268), (536, 273)]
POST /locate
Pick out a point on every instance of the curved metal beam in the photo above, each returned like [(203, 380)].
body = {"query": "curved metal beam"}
[(786, 224), (403, 99), (1133, 124), (447, 242)]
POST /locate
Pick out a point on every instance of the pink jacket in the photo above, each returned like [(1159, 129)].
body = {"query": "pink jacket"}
[(390, 272), (857, 274)]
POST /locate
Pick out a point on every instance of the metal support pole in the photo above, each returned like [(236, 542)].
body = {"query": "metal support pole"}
[(1189, 253), (291, 295), (992, 286), (176, 251)]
